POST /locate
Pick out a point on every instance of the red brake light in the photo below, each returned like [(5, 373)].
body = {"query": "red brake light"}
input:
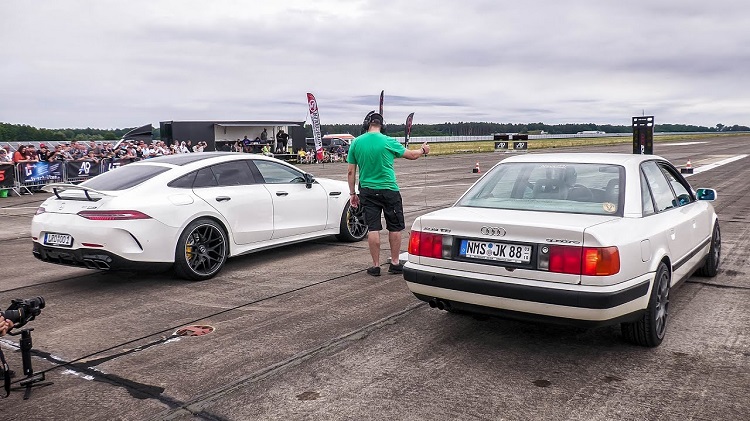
[(426, 244), (112, 215), (590, 261), (565, 259)]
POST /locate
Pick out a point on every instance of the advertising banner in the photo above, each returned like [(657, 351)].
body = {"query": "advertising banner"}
[(520, 145), (41, 172), (110, 164), (315, 118), (81, 169), (501, 145), (7, 175)]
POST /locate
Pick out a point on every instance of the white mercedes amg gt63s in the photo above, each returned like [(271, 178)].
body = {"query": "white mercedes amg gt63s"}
[(574, 238), (189, 211)]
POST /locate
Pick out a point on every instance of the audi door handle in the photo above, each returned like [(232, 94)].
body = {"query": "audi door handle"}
[(223, 199), (282, 193)]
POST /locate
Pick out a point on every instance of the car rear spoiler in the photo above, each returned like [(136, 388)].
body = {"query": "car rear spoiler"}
[(58, 188)]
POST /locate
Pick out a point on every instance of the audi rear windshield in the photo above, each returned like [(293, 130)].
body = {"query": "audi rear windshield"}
[(124, 177), (553, 187)]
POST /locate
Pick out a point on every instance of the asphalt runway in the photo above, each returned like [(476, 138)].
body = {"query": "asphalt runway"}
[(303, 333)]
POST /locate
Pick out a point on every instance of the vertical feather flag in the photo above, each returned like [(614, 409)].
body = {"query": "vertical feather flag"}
[(381, 103), (315, 118), (408, 129)]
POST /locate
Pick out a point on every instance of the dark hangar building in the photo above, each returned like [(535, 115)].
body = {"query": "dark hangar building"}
[(219, 133)]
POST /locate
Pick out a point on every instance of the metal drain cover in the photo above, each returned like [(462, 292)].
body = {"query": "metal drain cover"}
[(194, 330)]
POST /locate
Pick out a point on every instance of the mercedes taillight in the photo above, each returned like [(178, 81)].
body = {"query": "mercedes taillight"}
[(112, 215)]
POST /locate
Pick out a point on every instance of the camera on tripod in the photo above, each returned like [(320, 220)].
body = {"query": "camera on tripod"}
[(21, 312)]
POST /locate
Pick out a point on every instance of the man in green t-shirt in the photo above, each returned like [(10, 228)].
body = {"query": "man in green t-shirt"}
[(374, 153)]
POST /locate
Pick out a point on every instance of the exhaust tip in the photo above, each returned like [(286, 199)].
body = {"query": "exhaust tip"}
[(440, 305), (432, 303)]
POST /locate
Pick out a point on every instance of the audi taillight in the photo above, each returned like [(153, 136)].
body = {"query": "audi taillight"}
[(590, 261), (600, 261), (427, 244), (112, 215)]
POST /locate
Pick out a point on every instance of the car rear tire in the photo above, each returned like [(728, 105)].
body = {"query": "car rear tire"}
[(201, 250), (649, 331), (711, 265), (352, 227)]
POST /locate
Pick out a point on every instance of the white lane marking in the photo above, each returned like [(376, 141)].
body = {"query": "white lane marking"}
[(703, 168), (437, 187), (680, 143), (19, 207)]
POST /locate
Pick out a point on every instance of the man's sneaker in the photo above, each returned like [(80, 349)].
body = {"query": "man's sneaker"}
[(374, 271), (399, 268)]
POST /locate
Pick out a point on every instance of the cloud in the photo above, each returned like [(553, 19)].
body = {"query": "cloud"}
[(115, 64)]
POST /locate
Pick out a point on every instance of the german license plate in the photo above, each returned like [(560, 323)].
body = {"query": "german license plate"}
[(52, 239), (499, 252)]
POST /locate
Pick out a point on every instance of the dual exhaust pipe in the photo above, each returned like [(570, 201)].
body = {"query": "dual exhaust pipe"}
[(96, 264), (440, 304)]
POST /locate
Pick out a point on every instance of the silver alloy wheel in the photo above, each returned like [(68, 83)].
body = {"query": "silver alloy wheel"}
[(205, 249), (355, 222)]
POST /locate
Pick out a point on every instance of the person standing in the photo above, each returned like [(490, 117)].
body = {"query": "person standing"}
[(374, 153), (20, 154)]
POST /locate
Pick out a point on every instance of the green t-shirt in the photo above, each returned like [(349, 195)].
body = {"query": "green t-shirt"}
[(374, 153)]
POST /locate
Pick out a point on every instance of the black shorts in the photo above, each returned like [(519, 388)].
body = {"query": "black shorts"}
[(386, 202)]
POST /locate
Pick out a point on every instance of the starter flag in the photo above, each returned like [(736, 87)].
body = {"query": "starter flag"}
[(408, 130), (315, 118)]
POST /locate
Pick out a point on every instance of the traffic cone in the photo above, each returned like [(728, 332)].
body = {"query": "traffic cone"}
[(476, 169), (688, 169)]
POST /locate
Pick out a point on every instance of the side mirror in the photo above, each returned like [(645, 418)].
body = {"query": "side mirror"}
[(706, 194), (309, 180)]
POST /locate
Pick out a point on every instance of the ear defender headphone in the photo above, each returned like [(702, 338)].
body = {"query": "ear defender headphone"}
[(372, 115)]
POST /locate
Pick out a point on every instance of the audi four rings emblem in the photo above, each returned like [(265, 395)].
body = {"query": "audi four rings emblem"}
[(496, 231)]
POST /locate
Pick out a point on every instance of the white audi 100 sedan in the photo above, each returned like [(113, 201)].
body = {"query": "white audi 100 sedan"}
[(189, 211), (587, 239)]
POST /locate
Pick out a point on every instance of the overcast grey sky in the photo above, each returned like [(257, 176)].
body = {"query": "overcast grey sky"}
[(113, 64)]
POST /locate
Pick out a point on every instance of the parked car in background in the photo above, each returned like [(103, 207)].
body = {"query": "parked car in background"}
[(574, 238), (332, 142)]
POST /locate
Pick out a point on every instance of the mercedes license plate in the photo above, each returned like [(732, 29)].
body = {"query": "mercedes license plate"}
[(500, 252), (52, 239)]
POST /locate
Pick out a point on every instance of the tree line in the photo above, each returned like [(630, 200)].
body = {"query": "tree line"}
[(23, 133), (486, 129)]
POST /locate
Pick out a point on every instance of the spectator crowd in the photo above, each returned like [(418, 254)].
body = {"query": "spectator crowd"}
[(139, 150), (93, 151)]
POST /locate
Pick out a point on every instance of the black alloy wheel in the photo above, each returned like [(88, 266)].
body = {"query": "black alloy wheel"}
[(353, 227), (711, 265), (651, 328), (201, 250)]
